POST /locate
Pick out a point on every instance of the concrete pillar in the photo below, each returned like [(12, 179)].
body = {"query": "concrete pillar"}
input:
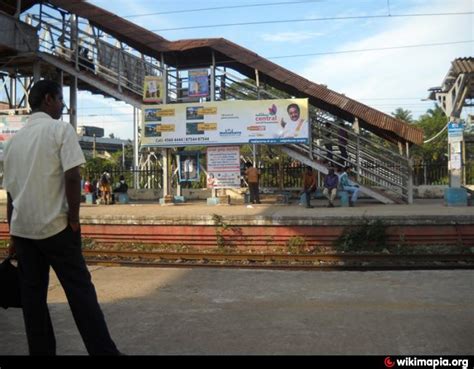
[(13, 92), (213, 77), (73, 102), (212, 98), (136, 122), (165, 79), (36, 71), (410, 175), (167, 198)]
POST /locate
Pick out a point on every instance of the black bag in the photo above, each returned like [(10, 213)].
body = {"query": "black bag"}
[(9, 285)]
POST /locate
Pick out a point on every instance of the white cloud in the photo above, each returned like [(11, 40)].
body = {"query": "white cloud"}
[(406, 72), (292, 37)]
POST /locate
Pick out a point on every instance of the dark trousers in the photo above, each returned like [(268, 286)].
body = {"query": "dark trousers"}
[(343, 154), (308, 193), (254, 196), (62, 252), (328, 150)]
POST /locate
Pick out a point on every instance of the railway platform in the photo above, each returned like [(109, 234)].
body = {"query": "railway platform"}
[(204, 311)]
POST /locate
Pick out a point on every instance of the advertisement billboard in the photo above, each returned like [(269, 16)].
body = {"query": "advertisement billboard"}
[(9, 125), (198, 83), (223, 167), (153, 89), (226, 122)]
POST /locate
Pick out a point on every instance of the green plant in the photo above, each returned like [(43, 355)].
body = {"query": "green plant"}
[(369, 235), (88, 243), (224, 244), (295, 244), (221, 226)]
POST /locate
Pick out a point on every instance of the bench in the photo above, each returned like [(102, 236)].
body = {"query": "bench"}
[(277, 197), (122, 198), (89, 198), (342, 195)]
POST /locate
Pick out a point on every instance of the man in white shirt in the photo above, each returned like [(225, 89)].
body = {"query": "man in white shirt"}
[(43, 184)]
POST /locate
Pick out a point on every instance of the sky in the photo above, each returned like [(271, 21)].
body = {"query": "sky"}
[(328, 51)]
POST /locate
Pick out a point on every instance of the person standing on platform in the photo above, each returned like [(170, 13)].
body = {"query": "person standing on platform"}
[(342, 142), (252, 179), (327, 142), (309, 185), (43, 186)]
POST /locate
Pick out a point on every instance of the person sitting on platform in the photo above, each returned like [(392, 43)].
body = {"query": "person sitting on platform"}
[(331, 182), (347, 185), (122, 186), (121, 189), (105, 188)]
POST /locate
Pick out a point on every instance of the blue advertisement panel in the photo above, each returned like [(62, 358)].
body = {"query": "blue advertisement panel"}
[(198, 83)]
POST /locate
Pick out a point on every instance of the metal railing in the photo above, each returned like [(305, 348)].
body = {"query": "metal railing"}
[(283, 176), (84, 47), (147, 178)]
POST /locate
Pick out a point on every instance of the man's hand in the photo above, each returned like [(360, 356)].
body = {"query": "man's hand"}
[(75, 225), (11, 248)]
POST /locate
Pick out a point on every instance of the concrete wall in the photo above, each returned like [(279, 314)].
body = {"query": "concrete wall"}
[(429, 192), (188, 193)]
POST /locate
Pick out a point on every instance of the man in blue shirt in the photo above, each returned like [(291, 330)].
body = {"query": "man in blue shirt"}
[(347, 185)]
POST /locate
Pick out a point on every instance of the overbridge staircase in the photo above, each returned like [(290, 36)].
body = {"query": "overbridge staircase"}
[(379, 170)]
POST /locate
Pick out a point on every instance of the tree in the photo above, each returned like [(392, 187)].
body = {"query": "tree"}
[(403, 114), (432, 123)]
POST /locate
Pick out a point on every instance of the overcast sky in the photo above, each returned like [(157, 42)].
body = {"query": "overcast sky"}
[(398, 76)]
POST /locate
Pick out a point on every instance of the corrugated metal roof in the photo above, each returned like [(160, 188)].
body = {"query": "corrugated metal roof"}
[(193, 52), (463, 65)]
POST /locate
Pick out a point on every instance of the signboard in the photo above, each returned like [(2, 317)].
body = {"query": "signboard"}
[(198, 83), (455, 132), (188, 166), (9, 125), (226, 122), (153, 89), (223, 167)]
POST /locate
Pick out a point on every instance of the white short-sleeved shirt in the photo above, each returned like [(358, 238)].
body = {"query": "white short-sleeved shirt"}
[(35, 160)]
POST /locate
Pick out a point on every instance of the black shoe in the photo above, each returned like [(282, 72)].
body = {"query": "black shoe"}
[(309, 206), (330, 205), (258, 202)]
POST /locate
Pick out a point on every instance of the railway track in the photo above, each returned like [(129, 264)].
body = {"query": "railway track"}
[(281, 261)]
